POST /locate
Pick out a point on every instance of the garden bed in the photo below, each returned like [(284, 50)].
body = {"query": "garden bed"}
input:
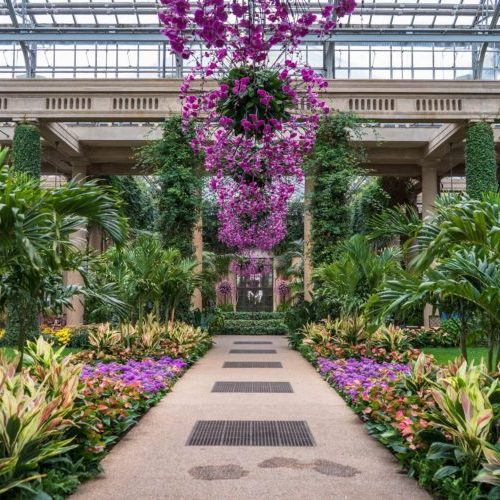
[(90, 399), (426, 416)]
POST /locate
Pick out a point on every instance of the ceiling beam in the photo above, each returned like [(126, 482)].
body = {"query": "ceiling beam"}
[(443, 140), (151, 34)]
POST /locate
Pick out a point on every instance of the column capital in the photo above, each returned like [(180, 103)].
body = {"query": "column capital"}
[(28, 121)]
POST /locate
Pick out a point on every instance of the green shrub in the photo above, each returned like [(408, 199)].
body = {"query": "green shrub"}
[(253, 315), (254, 327), (480, 160)]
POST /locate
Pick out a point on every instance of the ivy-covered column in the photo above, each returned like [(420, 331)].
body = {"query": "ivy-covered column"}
[(26, 157), (480, 159)]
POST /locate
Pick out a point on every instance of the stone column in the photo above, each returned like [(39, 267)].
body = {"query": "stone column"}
[(429, 188), (96, 239), (429, 195), (308, 188), (196, 299), (75, 315)]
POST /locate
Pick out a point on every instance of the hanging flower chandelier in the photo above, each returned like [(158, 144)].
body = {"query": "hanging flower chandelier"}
[(257, 122)]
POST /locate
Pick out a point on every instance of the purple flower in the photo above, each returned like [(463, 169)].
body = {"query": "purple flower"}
[(149, 374)]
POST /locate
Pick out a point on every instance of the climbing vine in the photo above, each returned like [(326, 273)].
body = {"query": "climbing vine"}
[(26, 149), (480, 160), (137, 201), (333, 164), (370, 200), (179, 199)]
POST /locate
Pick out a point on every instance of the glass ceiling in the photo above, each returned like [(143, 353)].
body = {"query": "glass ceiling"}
[(433, 14), (431, 39)]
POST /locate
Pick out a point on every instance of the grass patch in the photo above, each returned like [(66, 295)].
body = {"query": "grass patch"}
[(445, 354)]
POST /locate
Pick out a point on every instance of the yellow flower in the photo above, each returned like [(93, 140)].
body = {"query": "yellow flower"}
[(2, 332), (63, 335)]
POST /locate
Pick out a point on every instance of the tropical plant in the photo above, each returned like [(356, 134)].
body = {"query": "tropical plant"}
[(35, 248), (490, 472), (34, 415), (146, 277), (358, 272), (464, 410), (391, 338), (457, 269)]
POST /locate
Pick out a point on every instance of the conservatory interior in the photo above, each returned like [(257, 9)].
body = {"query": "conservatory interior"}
[(192, 188)]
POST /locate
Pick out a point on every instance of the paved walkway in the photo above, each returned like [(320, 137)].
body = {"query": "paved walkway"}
[(153, 461)]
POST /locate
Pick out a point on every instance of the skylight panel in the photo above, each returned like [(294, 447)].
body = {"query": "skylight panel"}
[(381, 20), (43, 19), (465, 20), (148, 19), (445, 21), (84, 19), (106, 19), (5, 20), (402, 20), (127, 18), (423, 20), (64, 18)]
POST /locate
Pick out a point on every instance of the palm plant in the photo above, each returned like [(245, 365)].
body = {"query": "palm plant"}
[(147, 277), (358, 272), (457, 269), (35, 246)]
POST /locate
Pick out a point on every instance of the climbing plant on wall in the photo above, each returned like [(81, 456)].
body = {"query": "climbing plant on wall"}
[(480, 160), (333, 164), (26, 149), (370, 200), (179, 199), (137, 201)]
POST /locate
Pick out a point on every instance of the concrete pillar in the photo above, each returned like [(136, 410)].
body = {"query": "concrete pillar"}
[(75, 315), (308, 188), (429, 189), (96, 240), (196, 299), (429, 195)]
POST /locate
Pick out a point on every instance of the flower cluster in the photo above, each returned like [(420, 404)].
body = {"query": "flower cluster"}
[(147, 375), (283, 288), (61, 335), (261, 119), (356, 377), (250, 266), (224, 288)]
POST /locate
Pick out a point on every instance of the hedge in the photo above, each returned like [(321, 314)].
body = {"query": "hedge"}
[(253, 315), (253, 327), (480, 160)]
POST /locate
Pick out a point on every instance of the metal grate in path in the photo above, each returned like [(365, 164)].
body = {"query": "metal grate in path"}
[(260, 387), (252, 351), (255, 342), (252, 364), (251, 433)]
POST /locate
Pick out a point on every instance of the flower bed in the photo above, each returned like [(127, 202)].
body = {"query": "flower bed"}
[(439, 423), (355, 378), (101, 402)]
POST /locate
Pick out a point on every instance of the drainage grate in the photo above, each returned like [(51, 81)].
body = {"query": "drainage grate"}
[(253, 342), (251, 433), (252, 387), (252, 364), (252, 351)]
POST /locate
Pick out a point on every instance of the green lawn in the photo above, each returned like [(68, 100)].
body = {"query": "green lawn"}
[(445, 354)]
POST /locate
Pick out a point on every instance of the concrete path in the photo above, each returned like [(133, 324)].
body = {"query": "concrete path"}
[(153, 461)]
